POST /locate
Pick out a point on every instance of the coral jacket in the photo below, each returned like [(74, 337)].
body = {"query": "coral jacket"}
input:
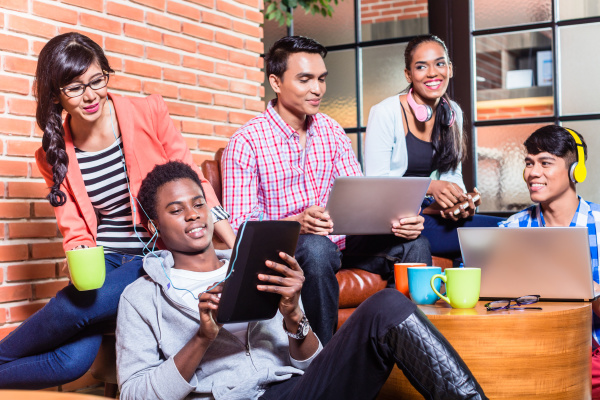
[(149, 138)]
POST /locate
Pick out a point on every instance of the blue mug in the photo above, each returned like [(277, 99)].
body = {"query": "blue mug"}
[(419, 284)]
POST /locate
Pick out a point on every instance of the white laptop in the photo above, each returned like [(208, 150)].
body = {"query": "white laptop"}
[(553, 262), (368, 205)]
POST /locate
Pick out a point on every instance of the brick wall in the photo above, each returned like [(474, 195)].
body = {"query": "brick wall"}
[(201, 55), (377, 11)]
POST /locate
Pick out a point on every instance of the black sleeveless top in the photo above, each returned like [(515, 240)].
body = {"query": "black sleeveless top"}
[(420, 154)]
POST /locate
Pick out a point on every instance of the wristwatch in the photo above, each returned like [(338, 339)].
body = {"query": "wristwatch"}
[(303, 328)]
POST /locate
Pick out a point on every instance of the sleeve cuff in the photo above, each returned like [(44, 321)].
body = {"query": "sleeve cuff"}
[(305, 363), (219, 213)]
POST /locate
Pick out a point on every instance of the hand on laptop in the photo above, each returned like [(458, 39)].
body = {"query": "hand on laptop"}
[(314, 220), (409, 227)]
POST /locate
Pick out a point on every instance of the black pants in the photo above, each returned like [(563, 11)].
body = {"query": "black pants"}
[(356, 362)]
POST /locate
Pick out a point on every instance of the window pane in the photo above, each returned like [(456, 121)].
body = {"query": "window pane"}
[(500, 164), (571, 9), (514, 75), (590, 130), (578, 69), (383, 74), (329, 31), (340, 100), (494, 13), (384, 19)]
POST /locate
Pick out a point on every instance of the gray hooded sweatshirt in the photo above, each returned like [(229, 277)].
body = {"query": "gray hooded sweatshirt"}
[(153, 324)]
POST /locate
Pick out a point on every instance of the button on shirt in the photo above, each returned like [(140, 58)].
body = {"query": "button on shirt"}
[(267, 173)]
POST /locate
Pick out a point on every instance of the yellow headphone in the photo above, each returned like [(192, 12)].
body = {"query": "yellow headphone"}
[(577, 170)]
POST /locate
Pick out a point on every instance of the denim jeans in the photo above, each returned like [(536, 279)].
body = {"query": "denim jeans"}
[(58, 343), (321, 259)]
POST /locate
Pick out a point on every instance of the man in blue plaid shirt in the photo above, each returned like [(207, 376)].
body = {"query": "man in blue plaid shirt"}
[(551, 176)]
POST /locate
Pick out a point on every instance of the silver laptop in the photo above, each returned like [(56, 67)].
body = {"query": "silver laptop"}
[(368, 205), (554, 263)]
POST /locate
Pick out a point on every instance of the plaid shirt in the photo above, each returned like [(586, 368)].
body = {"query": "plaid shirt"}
[(266, 172), (587, 214)]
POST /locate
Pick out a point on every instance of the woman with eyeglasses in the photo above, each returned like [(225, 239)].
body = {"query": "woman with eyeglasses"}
[(93, 162)]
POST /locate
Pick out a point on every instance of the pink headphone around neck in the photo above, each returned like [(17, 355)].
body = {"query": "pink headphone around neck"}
[(423, 112)]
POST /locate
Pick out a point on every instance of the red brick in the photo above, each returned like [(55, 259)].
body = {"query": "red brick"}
[(50, 11), (20, 65), (14, 126), (95, 5), (163, 55), (229, 40), (256, 4), (15, 292), (206, 3), (255, 76), (31, 26), (158, 4), (123, 47), (20, 230), (6, 330), (115, 63), (254, 16), (254, 105), (197, 96), (1, 110), (47, 250), (143, 69), (142, 33), (230, 9), (92, 35), (230, 70), (28, 190), (14, 84), (21, 313), (102, 24), (21, 147), (25, 272), (14, 252), (164, 89), (2, 315), (207, 144), (225, 130), (14, 44), (179, 42), (200, 158), (249, 60), (216, 20), (125, 83), (196, 127), (185, 110), (198, 63), (176, 75), (228, 101), (243, 88), (240, 118), (43, 210), (211, 114), (197, 31), (162, 21), (213, 82), (18, 106), (183, 10), (49, 289), (13, 168), (248, 29), (261, 91), (35, 171), (123, 11), (14, 210), (17, 5)]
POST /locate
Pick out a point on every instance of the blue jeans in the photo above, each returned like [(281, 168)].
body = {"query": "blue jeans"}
[(443, 236), (58, 343)]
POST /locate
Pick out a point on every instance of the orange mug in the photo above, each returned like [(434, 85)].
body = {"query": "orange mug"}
[(401, 276)]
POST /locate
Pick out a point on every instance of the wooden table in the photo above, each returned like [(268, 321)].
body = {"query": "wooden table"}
[(515, 354), (43, 395)]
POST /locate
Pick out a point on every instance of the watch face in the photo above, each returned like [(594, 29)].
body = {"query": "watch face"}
[(305, 329)]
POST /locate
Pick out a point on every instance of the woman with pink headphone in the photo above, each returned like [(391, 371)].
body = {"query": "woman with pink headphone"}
[(419, 133)]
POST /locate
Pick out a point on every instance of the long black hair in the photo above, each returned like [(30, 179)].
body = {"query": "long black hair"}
[(62, 59), (449, 142)]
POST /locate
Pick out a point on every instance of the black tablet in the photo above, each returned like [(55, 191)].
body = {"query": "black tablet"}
[(256, 242)]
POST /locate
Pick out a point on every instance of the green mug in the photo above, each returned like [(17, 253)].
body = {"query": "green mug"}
[(87, 267), (462, 286)]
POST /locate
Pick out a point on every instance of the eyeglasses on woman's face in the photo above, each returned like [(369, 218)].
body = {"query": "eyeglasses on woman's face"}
[(506, 304), (78, 89)]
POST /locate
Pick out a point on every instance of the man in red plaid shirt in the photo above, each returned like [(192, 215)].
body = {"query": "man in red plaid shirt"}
[(281, 165)]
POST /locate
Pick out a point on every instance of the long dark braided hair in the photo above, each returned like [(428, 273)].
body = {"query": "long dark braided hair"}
[(449, 142), (62, 59)]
